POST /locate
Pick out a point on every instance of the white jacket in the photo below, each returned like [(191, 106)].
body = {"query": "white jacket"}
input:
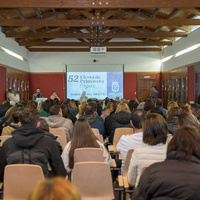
[(65, 155), (145, 155)]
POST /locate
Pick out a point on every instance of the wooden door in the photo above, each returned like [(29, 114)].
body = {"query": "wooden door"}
[(145, 88)]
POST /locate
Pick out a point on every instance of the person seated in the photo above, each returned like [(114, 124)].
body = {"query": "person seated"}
[(82, 136), (107, 111), (121, 119), (159, 104), (178, 176), (54, 96), (186, 108), (29, 145), (170, 105), (54, 189), (149, 104), (12, 123), (56, 120), (31, 104), (134, 140), (93, 119), (133, 104), (81, 110), (12, 97), (45, 127), (173, 115), (37, 95), (188, 120), (45, 109), (154, 136), (67, 113), (195, 108)]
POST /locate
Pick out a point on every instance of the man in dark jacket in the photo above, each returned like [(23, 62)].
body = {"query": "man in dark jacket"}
[(93, 119), (29, 145)]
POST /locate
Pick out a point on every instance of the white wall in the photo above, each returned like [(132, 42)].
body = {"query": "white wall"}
[(133, 61), (8, 60), (185, 59)]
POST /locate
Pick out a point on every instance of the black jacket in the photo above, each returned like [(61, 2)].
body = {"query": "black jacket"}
[(169, 180), (119, 120), (29, 145)]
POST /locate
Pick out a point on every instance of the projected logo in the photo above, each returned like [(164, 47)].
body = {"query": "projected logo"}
[(115, 86)]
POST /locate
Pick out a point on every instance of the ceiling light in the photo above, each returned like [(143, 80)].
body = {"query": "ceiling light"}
[(187, 50), (166, 59), (11, 53)]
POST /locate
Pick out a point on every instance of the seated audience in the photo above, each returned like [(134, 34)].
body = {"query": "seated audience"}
[(93, 119), (56, 120), (127, 142), (73, 107), (31, 105), (187, 120), (107, 111), (29, 145), (154, 136), (12, 123), (186, 108), (170, 105), (156, 110), (82, 136), (67, 113), (54, 96), (133, 104), (5, 106), (45, 109), (149, 104), (81, 110), (172, 118), (159, 104), (54, 189), (178, 176), (12, 97), (45, 127), (120, 119), (195, 108)]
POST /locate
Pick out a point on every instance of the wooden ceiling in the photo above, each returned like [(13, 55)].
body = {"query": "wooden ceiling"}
[(77, 25)]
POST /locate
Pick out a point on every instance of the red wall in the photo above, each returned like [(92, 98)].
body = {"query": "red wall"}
[(191, 84), (130, 85), (47, 83), (159, 85), (2, 84)]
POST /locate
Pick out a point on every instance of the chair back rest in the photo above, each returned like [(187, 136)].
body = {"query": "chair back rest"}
[(127, 161), (60, 132), (99, 137), (88, 154), (143, 169), (93, 180), (60, 141), (3, 139), (118, 133), (169, 136), (95, 130), (19, 180)]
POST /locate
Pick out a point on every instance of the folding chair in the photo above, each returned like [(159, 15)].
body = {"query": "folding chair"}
[(93, 180), (19, 180)]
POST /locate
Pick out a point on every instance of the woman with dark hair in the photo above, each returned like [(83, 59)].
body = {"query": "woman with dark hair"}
[(82, 136), (172, 118), (133, 104), (154, 136), (178, 176), (67, 113), (149, 104)]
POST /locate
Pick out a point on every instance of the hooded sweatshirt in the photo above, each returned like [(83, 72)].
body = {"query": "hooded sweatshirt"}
[(29, 145), (56, 121)]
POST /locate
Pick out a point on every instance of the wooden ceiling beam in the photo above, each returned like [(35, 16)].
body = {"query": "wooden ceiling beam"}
[(103, 35), (98, 4), (86, 23), (86, 44), (88, 49)]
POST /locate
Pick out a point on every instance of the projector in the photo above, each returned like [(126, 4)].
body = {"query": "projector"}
[(98, 50)]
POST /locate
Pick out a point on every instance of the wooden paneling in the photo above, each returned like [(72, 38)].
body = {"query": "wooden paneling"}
[(18, 80)]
